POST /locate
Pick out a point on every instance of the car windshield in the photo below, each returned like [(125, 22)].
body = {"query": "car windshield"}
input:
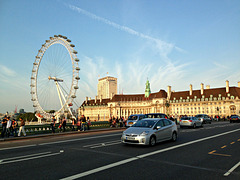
[(132, 118), (144, 124), (154, 116), (185, 118)]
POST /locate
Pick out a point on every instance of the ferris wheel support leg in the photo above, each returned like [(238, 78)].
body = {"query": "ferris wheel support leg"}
[(60, 93)]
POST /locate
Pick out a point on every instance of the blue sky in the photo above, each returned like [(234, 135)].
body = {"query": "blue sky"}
[(173, 43)]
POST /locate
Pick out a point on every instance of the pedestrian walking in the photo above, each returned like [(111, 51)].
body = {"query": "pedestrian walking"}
[(9, 126), (22, 127), (79, 124), (73, 124), (88, 123), (14, 127), (110, 121), (4, 126), (64, 123), (60, 125), (53, 124)]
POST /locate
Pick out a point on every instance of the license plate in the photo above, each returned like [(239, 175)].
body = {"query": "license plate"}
[(130, 123), (185, 121), (130, 138)]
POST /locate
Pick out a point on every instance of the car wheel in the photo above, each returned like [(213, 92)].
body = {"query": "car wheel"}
[(209, 122), (174, 136), (152, 141), (201, 125), (194, 126)]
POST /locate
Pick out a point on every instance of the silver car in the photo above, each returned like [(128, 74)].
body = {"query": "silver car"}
[(204, 118), (150, 131), (190, 122)]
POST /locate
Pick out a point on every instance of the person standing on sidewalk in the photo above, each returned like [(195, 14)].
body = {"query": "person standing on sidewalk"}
[(4, 126), (22, 127), (88, 123), (64, 123), (14, 126), (83, 119)]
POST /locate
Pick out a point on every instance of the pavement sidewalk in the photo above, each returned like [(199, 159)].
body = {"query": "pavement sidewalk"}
[(11, 138)]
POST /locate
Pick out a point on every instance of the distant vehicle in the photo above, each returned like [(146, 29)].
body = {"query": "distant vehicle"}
[(132, 119), (190, 122), (156, 115), (150, 131), (204, 118), (234, 118)]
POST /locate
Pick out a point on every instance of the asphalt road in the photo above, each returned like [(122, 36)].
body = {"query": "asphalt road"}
[(211, 152)]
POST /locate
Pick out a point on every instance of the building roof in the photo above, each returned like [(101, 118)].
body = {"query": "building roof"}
[(215, 92), (233, 91)]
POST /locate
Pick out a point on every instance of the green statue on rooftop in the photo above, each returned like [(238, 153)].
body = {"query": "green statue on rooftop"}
[(147, 90)]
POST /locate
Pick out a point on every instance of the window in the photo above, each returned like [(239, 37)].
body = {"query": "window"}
[(167, 122), (160, 123)]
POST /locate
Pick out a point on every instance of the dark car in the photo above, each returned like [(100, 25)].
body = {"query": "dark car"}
[(204, 118), (234, 118), (132, 119), (156, 115)]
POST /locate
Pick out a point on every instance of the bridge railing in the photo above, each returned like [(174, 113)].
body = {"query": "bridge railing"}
[(46, 128)]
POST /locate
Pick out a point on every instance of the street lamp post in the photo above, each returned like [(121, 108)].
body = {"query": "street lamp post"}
[(218, 112)]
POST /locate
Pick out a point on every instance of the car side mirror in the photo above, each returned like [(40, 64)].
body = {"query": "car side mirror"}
[(158, 127)]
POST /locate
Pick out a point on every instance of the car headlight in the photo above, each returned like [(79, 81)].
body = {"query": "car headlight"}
[(144, 133)]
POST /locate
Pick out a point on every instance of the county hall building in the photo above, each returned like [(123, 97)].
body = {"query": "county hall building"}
[(223, 101)]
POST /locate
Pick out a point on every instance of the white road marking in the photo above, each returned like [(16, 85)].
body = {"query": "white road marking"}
[(30, 158), (57, 142), (142, 156), (25, 156), (232, 169), (80, 139), (18, 147), (102, 144)]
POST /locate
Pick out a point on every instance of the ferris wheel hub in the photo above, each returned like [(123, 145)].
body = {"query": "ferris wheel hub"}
[(55, 79)]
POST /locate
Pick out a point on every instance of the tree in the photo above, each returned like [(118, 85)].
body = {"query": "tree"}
[(27, 116), (167, 104)]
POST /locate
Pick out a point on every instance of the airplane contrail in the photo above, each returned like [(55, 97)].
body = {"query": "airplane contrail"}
[(164, 47)]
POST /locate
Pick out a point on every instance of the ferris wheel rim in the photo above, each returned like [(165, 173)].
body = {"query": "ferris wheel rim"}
[(57, 39)]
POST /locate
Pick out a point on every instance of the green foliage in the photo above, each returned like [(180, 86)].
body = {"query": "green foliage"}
[(52, 111), (27, 117)]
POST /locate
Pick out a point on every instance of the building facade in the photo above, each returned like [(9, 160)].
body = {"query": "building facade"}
[(217, 101), (107, 87)]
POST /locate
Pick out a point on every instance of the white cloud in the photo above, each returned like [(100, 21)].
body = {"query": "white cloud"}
[(6, 72)]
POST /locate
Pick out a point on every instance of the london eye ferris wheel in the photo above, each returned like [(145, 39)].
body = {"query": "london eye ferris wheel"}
[(55, 76)]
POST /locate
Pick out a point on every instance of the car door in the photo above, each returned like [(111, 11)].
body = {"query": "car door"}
[(160, 132), (167, 128)]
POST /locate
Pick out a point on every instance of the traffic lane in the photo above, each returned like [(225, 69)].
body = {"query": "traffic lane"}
[(135, 150), (184, 162), (155, 169), (55, 138), (82, 154), (68, 161), (106, 141)]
